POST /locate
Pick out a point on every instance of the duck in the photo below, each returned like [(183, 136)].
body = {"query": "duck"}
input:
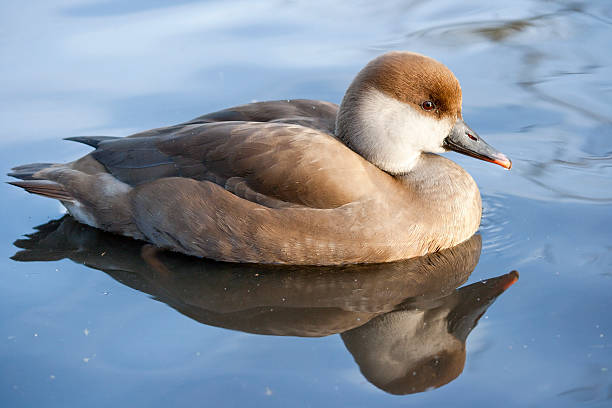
[(299, 182)]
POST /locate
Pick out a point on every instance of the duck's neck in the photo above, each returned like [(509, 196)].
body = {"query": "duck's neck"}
[(446, 198)]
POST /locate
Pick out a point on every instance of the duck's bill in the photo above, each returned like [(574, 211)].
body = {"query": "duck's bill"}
[(464, 140)]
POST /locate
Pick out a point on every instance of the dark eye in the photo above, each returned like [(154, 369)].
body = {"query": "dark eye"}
[(428, 105)]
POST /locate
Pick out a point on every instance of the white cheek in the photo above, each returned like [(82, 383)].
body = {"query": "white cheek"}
[(396, 134), (420, 132)]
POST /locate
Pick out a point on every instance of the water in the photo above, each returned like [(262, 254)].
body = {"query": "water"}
[(98, 325)]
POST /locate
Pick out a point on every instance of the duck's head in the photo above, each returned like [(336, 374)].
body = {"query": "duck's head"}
[(403, 104)]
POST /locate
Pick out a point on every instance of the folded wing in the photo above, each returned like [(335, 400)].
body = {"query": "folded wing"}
[(273, 164)]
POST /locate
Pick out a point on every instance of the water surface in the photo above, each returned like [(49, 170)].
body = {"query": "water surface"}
[(82, 328)]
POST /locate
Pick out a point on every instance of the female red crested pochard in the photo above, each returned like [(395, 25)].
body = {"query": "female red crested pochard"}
[(291, 182)]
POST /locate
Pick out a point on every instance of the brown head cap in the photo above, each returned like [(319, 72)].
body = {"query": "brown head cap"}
[(414, 78)]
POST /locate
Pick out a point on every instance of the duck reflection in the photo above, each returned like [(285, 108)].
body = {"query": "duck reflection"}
[(405, 323)]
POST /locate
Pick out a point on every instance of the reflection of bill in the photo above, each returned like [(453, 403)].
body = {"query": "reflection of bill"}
[(405, 323)]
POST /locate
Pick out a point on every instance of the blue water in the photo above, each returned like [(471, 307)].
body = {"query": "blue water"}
[(87, 329)]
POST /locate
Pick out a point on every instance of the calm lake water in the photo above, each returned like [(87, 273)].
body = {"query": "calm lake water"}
[(86, 321)]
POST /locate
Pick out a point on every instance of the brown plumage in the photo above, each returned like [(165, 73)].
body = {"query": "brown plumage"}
[(270, 182)]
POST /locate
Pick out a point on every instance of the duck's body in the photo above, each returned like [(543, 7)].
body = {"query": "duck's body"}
[(295, 182)]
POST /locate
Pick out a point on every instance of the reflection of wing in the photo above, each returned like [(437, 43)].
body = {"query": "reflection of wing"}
[(265, 299), (256, 161)]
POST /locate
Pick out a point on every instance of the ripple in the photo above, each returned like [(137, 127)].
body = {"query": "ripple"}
[(495, 220), (485, 30), (587, 179)]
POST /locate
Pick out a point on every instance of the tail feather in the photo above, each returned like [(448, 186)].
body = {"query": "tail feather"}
[(27, 171), (93, 141), (45, 188)]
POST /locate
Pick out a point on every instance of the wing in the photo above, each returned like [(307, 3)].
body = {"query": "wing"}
[(314, 114), (310, 113), (274, 164)]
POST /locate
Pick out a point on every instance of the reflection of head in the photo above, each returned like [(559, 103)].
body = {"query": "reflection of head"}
[(431, 372), (412, 350), (406, 351)]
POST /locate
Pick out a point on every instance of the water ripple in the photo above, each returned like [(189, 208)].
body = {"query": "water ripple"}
[(495, 219)]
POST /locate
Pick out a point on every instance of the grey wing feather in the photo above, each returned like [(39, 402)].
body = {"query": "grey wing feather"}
[(26, 171), (93, 141), (190, 151), (136, 160), (314, 114), (201, 149)]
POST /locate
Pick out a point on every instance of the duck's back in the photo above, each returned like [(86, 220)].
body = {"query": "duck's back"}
[(275, 164), (228, 189)]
